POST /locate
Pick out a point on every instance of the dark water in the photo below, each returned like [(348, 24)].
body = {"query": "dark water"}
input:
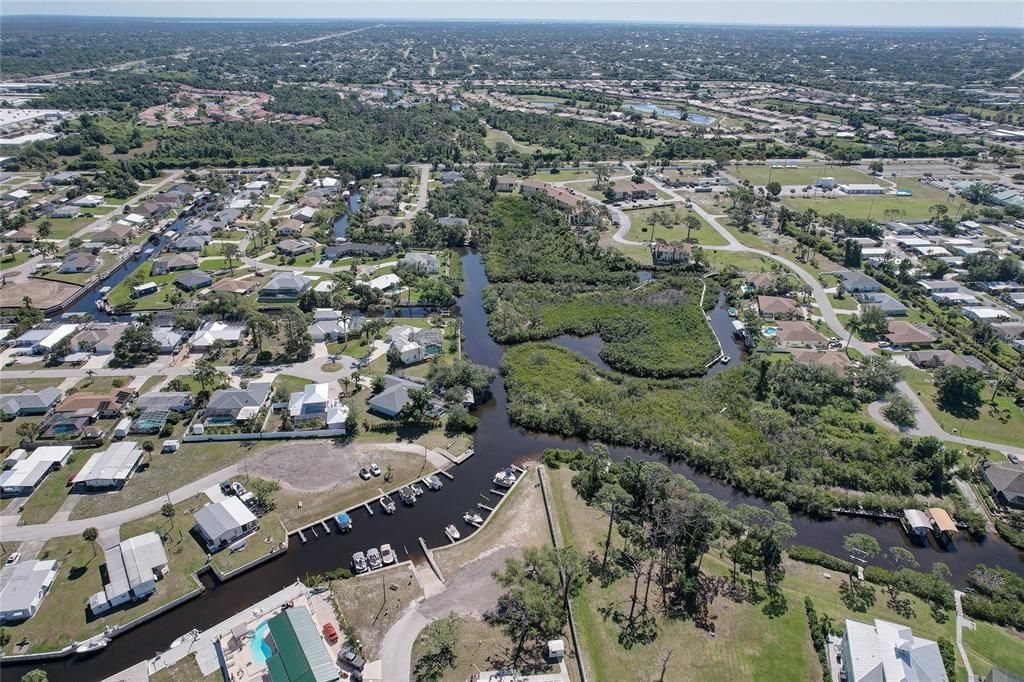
[(87, 304), (341, 224), (497, 442)]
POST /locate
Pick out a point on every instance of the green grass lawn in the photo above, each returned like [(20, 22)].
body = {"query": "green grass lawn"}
[(212, 264), (804, 175), (847, 302), (1002, 423), (101, 384), (290, 383), (305, 260), (62, 228), (53, 491), (914, 207), (641, 228), (566, 175), (744, 262), (14, 260), (494, 136)]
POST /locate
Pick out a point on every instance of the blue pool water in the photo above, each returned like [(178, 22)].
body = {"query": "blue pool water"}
[(260, 649), (770, 331)]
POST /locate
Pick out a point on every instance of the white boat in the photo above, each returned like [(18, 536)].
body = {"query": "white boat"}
[(93, 644), (191, 635), (387, 504), (726, 359), (452, 532), (472, 518), (505, 478)]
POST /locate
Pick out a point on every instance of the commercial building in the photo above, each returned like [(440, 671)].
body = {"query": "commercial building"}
[(297, 649)]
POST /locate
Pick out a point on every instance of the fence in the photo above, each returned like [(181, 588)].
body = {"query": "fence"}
[(272, 435)]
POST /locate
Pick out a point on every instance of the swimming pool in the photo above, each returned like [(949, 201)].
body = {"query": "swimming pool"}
[(260, 648), (770, 331)]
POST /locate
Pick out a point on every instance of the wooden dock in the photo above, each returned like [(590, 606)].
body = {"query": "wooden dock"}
[(445, 473), (325, 527), (366, 506), (302, 536)]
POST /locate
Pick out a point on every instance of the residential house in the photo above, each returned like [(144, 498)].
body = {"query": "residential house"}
[(777, 308), (1009, 331), (886, 651), (144, 289), (798, 334), (856, 282), (384, 282), (353, 249), (385, 222), (27, 473), (985, 314), (231, 405), (223, 523), (204, 228), (66, 212), (326, 183), (932, 359), (415, 344), (111, 468), (298, 650), (231, 285), (902, 335), (191, 281), (938, 286), (289, 228), (88, 201), (216, 330), (153, 209), (284, 286), (44, 340), (133, 568), (390, 401), (577, 208), (29, 402), (114, 233), (1006, 481), (329, 325), (79, 261), (189, 243), (24, 585), (453, 221), (506, 183), (663, 253), (173, 262), (99, 339), (451, 177), (176, 401), (310, 201), (168, 340), (892, 307), (97, 405), (295, 247), (427, 262), (627, 190), (758, 281), (313, 405), (834, 360), (304, 214)]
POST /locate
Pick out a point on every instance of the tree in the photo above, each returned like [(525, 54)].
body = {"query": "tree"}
[(44, 228), (876, 167), (774, 188), (207, 375), (873, 322), (958, 389), (35, 676), (26, 430), (229, 250), (460, 420), (167, 510), (258, 327), (901, 412), (438, 639), (692, 223), (89, 535), (862, 547), (613, 500), (136, 347), (417, 409)]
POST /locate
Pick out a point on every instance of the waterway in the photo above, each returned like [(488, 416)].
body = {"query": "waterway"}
[(498, 443), (341, 224), (649, 108)]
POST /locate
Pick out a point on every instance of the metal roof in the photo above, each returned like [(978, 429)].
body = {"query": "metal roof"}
[(22, 584), (133, 563), (942, 520), (917, 519), (116, 463), (216, 520), (299, 652)]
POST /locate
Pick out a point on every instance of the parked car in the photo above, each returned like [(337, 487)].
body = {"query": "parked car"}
[(330, 634), (13, 559), (364, 473), (374, 469), (225, 487), (353, 659), (387, 555)]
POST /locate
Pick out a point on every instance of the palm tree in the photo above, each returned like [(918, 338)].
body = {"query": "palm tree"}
[(853, 323), (692, 223), (89, 373), (89, 535)]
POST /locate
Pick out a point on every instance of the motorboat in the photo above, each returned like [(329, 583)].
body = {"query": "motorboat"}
[(387, 504), (472, 518), (191, 635), (726, 359), (344, 522), (359, 562), (452, 532), (407, 496), (416, 490), (387, 555), (505, 478), (732, 312), (433, 482), (92, 644), (373, 558)]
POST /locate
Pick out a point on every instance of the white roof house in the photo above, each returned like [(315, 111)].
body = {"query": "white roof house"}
[(326, 182), (224, 522), (22, 588), (45, 342), (110, 468), (313, 399), (26, 474), (384, 282), (985, 314), (887, 652), (133, 567), (216, 330)]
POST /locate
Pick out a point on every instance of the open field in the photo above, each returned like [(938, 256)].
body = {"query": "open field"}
[(804, 175), (494, 136), (641, 228), (370, 608), (916, 207), (1002, 424)]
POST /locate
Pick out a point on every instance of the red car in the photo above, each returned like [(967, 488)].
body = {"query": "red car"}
[(330, 633)]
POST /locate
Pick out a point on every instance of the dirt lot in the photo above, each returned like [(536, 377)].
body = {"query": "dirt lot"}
[(44, 293), (315, 466)]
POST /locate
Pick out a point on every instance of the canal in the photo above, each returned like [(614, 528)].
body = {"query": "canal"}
[(341, 223), (498, 443)]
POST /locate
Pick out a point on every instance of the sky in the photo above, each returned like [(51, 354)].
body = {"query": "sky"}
[(992, 13)]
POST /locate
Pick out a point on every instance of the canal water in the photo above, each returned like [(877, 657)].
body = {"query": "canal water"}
[(341, 224), (498, 443)]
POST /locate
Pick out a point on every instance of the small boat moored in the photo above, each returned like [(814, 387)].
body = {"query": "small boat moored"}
[(387, 504), (92, 644), (433, 482), (472, 518), (732, 312), (344, 522), (505, 478), (452, 532), (407, 496)]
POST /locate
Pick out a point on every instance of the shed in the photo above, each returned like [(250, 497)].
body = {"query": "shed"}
[(121, 430), (916, 521)]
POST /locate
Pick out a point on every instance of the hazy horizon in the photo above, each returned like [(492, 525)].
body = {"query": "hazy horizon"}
[(991, 14)]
